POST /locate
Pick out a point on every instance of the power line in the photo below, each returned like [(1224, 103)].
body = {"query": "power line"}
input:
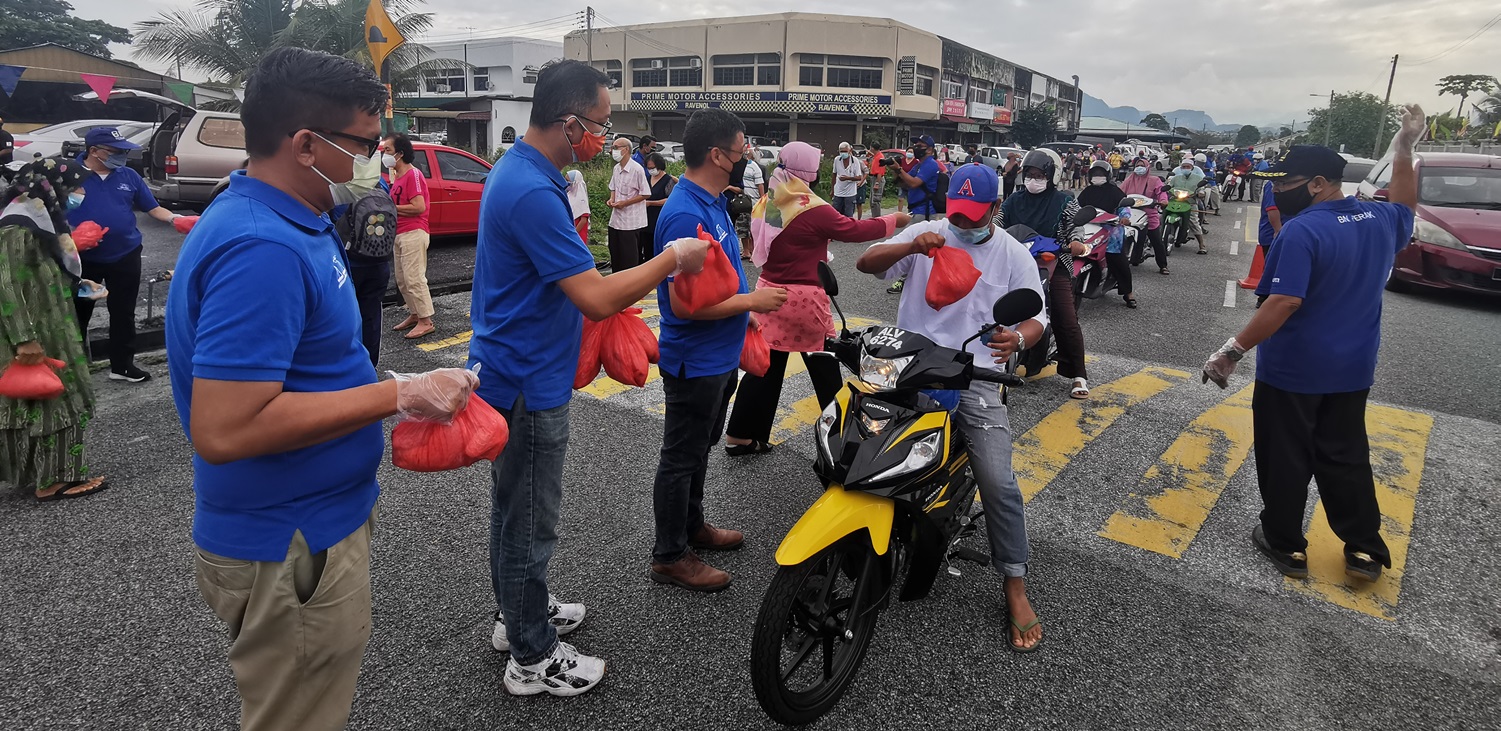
[(534, 26), (1489, 25), (659, 45)]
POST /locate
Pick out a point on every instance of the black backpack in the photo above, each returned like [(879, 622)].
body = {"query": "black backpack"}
[(369, 226), (940, 196)]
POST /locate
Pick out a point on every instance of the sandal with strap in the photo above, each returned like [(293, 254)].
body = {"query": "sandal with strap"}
[(99, 485), (745, 450), (1022, 632), (1080, 389)]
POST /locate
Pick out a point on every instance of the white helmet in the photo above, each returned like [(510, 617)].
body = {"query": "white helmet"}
[(1200, 158), (1258, 156)]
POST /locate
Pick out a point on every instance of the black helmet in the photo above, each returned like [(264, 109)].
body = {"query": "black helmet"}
[(1042, 161), (1103, 166)]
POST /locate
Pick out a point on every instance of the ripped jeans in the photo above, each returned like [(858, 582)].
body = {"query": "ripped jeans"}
[(983, 418)]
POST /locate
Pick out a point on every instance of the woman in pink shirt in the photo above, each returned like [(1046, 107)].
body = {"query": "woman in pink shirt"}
[(409, 193), (1141, 181)]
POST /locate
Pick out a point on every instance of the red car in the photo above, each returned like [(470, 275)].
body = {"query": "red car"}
[(455, 179), (1456, 242)]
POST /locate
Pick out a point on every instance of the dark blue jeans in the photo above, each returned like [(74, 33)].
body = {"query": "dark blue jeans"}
[(370, 281), (695, 420), (526, 495)]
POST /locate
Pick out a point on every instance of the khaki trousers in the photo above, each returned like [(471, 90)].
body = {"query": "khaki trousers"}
[(411, 272), (298, 630)]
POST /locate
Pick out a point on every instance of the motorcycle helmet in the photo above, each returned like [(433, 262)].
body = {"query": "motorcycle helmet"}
[(1258, 156), (1045, 160), (1103, 167), (1200, 158)]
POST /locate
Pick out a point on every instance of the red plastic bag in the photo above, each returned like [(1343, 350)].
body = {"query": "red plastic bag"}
[(588, 368), (86, 235), (32, 382), (643, 333), (952, 277), (184, 224), (621, 349), (755, 355), (478, 432), (716, 283)]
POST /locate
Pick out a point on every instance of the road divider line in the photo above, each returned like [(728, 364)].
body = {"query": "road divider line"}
[(1399, 444), (1046, 449), (459, 339), (1237, 225), (1230, 288), (1234, 248), (1174, 497)]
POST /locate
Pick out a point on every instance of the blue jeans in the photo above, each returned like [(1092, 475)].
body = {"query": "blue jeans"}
[(845, 205), (983, 418), (695, 419), (526, 495)]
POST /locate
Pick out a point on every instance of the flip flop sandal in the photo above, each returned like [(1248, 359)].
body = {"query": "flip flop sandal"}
[(62, 493), (1080, 389), (1131, 302), (1163, 271), (745, 450), (414, 334), (1022, 631), (1203, 252)]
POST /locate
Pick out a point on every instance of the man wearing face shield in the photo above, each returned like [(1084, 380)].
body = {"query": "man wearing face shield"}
[(278, 396), (1004, 264), (1320, 331), (114, 193)]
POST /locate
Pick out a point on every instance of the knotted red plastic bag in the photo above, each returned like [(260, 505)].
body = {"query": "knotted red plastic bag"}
[(86, 235), (622, 349), (32, 382), (716, 283), (588, 368), (952, 277), (184, 224), (643, 333), (755, 355), (478, 432)]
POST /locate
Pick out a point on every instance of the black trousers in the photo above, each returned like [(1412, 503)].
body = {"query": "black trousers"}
[(1064, 315), (370, 282), (625, 249), (695, 418), (1120, 268), (756, 406), (123, 280), (1321, 436), (1159, 249)]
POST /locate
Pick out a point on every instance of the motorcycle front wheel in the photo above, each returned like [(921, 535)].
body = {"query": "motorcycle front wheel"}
[(815, 625), (1170, 235)]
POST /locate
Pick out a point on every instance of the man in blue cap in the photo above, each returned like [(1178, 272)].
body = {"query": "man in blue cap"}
[(112, 196), (1004, 264), (921, 180)]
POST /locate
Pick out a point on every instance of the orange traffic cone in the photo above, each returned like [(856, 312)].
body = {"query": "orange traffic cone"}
[(1253, 279)]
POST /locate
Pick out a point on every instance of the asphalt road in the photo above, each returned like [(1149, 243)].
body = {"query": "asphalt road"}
[(1158, 613)]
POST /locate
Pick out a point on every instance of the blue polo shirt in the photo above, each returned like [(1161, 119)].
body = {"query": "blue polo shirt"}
[(638, 158), (1336, 256), (919, 200), (262, 293), (112, 202), (695, 348), (1264, 233), (526, 330)]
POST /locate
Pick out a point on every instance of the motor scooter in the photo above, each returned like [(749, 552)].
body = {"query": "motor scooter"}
[(1044, 251)]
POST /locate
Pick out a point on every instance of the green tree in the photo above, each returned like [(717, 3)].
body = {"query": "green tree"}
[(34, 22), (1286, 131), (1247, 136), (1156, 121), (1352, 122), (1035, 125), (1490, 114), (1463, 85)]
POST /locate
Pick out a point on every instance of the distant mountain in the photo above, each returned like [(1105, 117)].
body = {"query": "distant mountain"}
[(1190, 118)]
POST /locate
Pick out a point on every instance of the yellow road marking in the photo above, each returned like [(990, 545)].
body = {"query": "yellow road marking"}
[(1399, 442), (1042, 453), (1175, 496), (1253, 219), (460, 339)]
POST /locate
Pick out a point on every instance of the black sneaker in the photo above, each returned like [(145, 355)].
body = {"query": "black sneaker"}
[(1361, 566), (1292, 565), (130, 374)]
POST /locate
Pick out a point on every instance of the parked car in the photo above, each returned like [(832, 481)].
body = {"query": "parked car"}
[(189, 162), (996, 156), (50, 141), (1456, 240), (135, 159), (768, 155), (671, 151), (1356, 170), (1063, 148)]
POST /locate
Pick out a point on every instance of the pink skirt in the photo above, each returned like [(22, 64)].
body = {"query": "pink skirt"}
[(802, 323)]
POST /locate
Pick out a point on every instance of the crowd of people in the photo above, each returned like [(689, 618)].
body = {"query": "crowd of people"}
[(283, 405)]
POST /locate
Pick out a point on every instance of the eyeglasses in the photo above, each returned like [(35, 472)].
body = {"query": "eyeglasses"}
[(371, 145), (605, 126), (1286, 184), (733, 151)]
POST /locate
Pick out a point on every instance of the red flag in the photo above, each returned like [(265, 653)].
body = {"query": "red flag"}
[(101, 85)]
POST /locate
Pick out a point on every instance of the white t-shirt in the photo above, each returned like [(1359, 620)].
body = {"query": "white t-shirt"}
[(847, 188), (1004, 265)]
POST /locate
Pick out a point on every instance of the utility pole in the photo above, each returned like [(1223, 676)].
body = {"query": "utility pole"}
[(1329, 119), (589, 31), (1381, 126)]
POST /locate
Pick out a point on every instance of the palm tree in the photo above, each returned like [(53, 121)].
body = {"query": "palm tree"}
[(1489, 108), (227, 38)]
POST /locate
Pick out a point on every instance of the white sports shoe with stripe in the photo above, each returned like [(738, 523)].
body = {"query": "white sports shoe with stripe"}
[(566, 673), (564, 617)]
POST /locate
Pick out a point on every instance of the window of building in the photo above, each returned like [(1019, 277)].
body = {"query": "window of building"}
[(925, 76), (810, 69), (953, 86), (748, 69), (482, 79), (444, 81), (508, 135), (847, 72), (979, 91), (613, 69), (677, 71)]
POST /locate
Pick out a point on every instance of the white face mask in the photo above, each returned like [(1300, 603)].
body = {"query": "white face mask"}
[(1096, 181), (388, 160), (363, 177), (616, 154), (1036, 186)]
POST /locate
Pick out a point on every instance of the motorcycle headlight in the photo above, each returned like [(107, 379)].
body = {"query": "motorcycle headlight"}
[(882, 372), (1181, 194), (1431, 233), (922, 455), (826, 423)]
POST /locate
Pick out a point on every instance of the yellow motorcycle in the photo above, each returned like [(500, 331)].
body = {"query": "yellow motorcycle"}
[(900, 498)]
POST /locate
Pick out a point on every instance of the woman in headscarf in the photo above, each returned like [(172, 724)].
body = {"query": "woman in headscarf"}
[(1040, 205), (41, 442), (1104, 196), (1141, 181), (792, 229), (578, 203)]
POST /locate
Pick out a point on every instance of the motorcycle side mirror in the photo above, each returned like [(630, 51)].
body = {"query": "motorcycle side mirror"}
[(827, 279), (1016, 306)]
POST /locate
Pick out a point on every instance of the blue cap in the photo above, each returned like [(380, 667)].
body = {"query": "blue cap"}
[(108, 137), (925, 139), (973, 188)]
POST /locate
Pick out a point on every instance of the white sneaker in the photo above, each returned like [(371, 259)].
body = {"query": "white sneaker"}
[(565, 618), (566, 673)]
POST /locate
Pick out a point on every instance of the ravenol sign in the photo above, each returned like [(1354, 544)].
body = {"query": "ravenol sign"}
[(793, 102)]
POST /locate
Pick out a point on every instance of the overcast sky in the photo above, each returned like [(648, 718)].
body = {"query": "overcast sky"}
[(1255, 62)]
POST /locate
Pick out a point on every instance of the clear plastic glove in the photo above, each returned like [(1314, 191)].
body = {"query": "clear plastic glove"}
[(1414, 123), (434, 396), (1222, 364), (690, 252), (184, 224)]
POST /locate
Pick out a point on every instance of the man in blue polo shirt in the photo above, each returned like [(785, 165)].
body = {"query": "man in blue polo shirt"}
[(1319, 332), (114, 194), (921, 181), (533, 277), (276, 393), (700, 357)]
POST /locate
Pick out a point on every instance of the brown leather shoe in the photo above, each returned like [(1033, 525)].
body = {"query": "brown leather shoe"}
[(690, 572), (709, 538)]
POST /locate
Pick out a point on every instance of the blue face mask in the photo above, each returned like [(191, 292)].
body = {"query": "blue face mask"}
[(75, 199), (1140, 170), (970, 236), (117, 160)]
